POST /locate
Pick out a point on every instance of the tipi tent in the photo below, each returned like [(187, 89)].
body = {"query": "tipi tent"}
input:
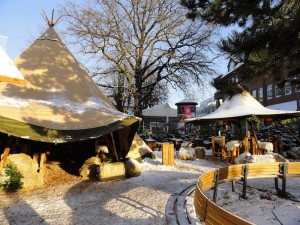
[(244, 105), (8, 71), (60, 102)]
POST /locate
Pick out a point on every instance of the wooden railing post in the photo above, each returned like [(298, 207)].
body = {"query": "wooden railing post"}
[(233, 186), (3, 158), (284, 174), (43, 163), (168, 154), (245, 175), (246, 144), (216, 181), (276, 178), (36, 157)]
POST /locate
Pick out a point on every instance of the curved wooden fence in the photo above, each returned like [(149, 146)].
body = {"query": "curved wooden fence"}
[(209, 212)]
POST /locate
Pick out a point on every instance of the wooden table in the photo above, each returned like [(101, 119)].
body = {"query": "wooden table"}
[(177, 143), (266, 147), (233, 150), (218, 147), (151, 143)]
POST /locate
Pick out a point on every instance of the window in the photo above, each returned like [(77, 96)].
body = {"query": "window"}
[(254, 93), (287, 88), (269, 91), (277, 91), (297, 88), (260, 94), (232, 80), (236, 79), (231, 65)]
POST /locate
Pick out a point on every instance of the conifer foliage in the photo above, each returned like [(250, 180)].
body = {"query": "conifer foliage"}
[(269, 36)]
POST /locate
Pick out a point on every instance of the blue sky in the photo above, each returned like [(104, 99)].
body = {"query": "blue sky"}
[(21, 20)]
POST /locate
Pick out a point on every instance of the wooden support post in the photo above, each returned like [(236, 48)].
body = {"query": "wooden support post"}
[(43, 161), (254, 146), (3, 159), (284, 173), (280, 148), (223, 148), (168, 154), (171, 154), (246, 144), (213, 146), (233, 186), (216, 181), (276, 183), (245, 176), (114, 147), (276, 178), (254, 143), (36, 158)]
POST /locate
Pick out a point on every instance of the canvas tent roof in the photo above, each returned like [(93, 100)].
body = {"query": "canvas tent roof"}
[(161, 110), (8, 71), (244, 105), (60, 102)]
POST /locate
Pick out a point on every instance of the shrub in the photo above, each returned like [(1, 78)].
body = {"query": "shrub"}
[(13, 183)]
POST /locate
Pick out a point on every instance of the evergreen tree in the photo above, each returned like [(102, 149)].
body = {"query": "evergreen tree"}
[(269, 36)]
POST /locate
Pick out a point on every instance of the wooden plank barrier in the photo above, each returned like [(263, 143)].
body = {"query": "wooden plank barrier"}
[(209, 212), (168, 154)]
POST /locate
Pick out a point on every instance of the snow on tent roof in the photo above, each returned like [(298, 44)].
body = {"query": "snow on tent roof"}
[(8, 71), (60, 102), (161, 110), (243, 105)]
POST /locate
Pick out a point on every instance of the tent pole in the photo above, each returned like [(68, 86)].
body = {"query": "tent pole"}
[(197, 134), (114, 147)]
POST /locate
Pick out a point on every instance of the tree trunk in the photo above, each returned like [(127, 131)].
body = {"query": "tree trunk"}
[(138, 96)]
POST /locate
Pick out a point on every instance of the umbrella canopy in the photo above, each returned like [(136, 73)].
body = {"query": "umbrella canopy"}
[(244, 105), (8, 71), (60, 102)]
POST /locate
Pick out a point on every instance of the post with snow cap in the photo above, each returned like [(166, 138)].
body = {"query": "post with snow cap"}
[(168, 154)]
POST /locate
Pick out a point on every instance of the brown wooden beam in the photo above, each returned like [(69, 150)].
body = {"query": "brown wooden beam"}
[(114, 147)]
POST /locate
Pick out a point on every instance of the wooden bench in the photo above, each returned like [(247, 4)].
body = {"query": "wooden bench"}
[(287, 170), (209, 212)]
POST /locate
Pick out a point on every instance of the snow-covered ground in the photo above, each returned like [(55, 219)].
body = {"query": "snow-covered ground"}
[(142, 200)]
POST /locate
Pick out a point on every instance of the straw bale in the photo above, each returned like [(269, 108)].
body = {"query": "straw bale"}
[(133, 168), (111, 171), (200, 152), (90, 169), (28, 168), (186, 153)]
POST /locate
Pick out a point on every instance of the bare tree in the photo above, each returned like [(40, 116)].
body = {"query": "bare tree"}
[(147, 42)]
